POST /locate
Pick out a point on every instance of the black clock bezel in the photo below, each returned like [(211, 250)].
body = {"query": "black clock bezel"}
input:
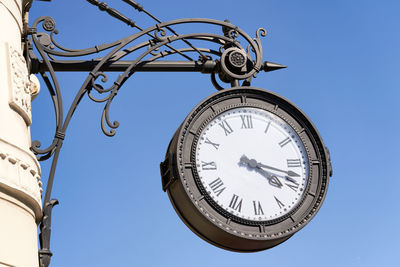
[(201, 216)]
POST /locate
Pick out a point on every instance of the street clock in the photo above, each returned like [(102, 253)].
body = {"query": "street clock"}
[(246, 169)]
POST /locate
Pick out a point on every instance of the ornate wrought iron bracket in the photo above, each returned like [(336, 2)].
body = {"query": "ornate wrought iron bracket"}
[(225, 57)]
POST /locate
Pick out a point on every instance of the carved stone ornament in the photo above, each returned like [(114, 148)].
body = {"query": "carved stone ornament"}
[(20, 93), (20, 175)]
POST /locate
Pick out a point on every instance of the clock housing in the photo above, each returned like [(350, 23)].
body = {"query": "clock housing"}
[(191, 193)]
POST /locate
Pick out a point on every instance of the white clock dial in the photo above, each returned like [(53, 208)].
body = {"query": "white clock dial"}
[(252, 164)]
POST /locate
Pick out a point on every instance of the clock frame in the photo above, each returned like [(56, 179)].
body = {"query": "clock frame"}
[(198, 210)]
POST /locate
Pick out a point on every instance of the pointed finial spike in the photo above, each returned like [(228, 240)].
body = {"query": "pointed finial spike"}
[(271, 66)]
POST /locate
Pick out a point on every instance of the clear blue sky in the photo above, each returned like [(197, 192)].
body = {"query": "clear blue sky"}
[(343, 59)]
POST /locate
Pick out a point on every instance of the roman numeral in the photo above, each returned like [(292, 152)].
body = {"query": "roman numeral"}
[(285, 142), (216, 186), (207, 141), (293, 186), (235, 204), (291, 163), (247, 122), (208, 165), (226, 127), (280, 204), (266, 128), (257, 208)]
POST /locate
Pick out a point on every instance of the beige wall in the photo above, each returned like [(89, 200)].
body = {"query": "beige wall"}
[(20, 186)]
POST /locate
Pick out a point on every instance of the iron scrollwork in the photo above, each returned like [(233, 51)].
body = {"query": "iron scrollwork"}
[(226, 58)]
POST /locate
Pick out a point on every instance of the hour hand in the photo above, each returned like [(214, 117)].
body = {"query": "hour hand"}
[(272, 179)]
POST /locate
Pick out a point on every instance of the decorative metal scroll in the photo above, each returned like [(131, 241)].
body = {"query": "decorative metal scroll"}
[(229, 59)]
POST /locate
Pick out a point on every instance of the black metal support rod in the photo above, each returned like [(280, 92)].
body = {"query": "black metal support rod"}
[(208, 66), (121, 65)]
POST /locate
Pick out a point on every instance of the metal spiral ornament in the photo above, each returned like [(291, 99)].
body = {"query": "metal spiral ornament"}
[(230, 61)]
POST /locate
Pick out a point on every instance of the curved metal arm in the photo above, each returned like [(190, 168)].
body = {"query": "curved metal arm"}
[(46, 46), (226, 57)]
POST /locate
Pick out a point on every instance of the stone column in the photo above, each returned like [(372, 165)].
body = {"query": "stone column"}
[(20, 186)]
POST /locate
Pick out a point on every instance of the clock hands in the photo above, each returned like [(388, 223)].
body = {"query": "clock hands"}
[(271, 178), (258, 164), (290, 173)]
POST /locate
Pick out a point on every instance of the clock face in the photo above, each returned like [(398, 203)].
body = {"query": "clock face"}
[(246, 169), (252, 164)]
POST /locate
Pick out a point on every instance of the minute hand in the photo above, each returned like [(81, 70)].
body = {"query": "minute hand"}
[(290, 173)]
